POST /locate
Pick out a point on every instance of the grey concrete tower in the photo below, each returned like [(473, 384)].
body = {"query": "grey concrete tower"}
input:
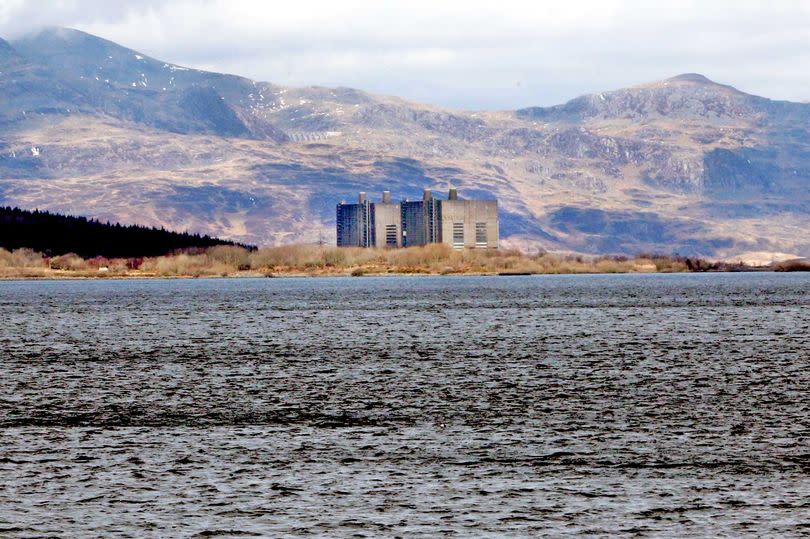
[(463, 224), (387, 222)]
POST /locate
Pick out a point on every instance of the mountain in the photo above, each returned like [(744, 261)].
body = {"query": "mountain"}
[(683, 165)]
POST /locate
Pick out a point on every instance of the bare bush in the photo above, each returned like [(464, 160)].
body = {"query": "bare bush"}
[(27, 258), (320, 260), (6, 258), (186, 265), (333, 257), (98, 262), (68, 262), (231, 256), (286, 256), (799, 264)]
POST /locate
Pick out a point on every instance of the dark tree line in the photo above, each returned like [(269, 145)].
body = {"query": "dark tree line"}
[(54, 234)]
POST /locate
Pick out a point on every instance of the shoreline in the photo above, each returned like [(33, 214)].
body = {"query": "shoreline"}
[(77, 276), (299, 261)]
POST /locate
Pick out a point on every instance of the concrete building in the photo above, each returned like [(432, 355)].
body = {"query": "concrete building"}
[(387, 222), (463, 224), (420, 221), (369, 224), (354, 223), (469, 224)]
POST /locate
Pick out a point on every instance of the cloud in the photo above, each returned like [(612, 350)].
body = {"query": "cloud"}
[(466, 54)]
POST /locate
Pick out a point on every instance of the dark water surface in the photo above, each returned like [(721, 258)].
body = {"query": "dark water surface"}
[(668, 405)]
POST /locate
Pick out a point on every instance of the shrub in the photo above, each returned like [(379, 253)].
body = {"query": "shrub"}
[(230, 255), (118, 265), (333, 257), (284, 256), (5, 258), (98, 262), (68, 262), (186, 265), (608, 265), (27, 258), (415, 257), (167, 265), (793, 265), (431, 259)]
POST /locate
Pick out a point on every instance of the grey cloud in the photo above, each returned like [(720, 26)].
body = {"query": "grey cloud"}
[(18, 17)]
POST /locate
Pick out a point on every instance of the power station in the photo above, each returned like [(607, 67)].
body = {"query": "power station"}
[(463, 224)]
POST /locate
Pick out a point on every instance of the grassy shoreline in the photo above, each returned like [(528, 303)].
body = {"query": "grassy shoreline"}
[(322, 261)]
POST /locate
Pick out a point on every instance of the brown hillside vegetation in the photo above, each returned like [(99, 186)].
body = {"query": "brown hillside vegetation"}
[(799, 264), (682, 165), (291, 260)]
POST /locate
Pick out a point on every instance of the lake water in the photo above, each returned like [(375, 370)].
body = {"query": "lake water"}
[(665, 405)]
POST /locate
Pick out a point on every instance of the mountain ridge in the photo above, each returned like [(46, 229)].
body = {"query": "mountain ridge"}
[(682, 165)]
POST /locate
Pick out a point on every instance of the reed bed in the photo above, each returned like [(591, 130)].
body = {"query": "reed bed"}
[(436, 259)]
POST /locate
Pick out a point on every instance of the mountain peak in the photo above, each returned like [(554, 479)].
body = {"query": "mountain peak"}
[(696, 78), (689, 81), (689, 95), (59, 32), (58, 42)]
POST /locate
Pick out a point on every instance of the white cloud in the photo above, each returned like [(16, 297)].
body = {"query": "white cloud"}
[(468, 54)]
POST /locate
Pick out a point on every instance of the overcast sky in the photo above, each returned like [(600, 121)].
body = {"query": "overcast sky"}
[(465, 54)]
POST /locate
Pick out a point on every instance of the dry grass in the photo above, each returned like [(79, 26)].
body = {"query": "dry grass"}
[(188, 265), (799, 264), (437, 259)]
